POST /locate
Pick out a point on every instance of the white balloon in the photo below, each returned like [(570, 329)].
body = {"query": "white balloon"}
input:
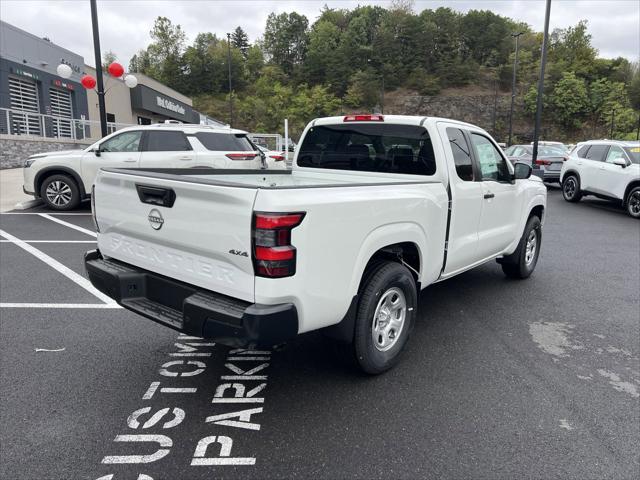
[(64, 70), (130, 81)]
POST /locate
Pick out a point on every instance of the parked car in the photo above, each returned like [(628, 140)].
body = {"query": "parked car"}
[(608, 169), (274, 159), (63, 179), (550, 159), (547, 143), (375, 209)]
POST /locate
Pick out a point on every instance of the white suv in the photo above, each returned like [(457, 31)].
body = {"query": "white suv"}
[(63, 179), (608, 169)]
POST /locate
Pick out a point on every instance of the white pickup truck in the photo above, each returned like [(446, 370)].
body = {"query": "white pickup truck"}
[(375, 209)]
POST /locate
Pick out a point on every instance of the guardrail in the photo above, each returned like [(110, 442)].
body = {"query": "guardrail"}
[(21, 122)]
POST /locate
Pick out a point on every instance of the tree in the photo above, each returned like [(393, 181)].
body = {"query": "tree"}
[(108, 58), (569, 100), (285, 40), (240, 40), (165, 52)]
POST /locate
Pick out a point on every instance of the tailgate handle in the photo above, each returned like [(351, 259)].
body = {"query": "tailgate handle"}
[(164, 197)]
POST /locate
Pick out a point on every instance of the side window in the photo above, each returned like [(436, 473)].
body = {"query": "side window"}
[(125, 142), (615, 153), (597, 152), (225, 142), (582, 151), (461, 154), (169, 141), (492, 165)]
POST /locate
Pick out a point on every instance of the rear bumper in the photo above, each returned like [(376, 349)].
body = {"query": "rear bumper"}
[(189, 309)]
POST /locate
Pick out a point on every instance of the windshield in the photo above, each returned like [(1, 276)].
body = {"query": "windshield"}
[(369, 147), (634, 154)]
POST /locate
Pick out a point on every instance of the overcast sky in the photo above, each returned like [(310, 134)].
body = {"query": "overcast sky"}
[(125, 25)]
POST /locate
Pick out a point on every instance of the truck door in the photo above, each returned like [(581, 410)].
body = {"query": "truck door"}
[(500, 211), (465, 192)]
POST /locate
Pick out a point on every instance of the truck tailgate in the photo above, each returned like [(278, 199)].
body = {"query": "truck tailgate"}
[(203, 238)]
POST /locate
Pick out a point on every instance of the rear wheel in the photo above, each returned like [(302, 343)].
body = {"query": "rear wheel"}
[(385, 317), (522, 262), (571, 188), (633, 202), (60, 192)]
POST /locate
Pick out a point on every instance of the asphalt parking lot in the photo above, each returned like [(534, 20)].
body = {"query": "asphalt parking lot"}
[(501, 379)]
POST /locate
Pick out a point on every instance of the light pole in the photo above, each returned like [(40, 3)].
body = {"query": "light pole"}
[(613, 121), (230, 92), (543, 61), (513, 86), (100, 84)]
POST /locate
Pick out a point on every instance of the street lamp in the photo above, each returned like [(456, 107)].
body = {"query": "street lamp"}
[(513, 85), (98, 57), (543, 61), (230, 92)]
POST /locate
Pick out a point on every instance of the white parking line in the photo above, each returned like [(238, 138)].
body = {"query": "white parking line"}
[(51, 241), (67, 224), (60, 305), (67, 272), (50, 213)]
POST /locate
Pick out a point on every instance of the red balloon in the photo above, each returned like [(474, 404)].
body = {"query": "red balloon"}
[(88, 82), (116, 70)]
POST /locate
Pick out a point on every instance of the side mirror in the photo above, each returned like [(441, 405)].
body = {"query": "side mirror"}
[(521, 171), (97, 152), (620, 162)]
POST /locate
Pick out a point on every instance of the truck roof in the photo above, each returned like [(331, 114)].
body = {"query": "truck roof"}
[(394, 119)]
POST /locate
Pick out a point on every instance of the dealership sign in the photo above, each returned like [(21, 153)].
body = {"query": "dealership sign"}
[(169, 105)]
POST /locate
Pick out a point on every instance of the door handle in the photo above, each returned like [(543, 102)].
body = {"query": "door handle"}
[(130, 160), (489, 195), (185, 158)]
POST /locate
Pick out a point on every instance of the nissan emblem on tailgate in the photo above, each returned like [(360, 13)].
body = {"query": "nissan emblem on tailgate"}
[(155, 219)]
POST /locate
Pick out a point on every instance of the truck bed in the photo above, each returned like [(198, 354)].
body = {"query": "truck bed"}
[(274, 179)]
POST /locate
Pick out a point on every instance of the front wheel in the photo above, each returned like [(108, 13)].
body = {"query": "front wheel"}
[(60, 192), (521, 263), (571, 189), (633, 202), (385, 317)]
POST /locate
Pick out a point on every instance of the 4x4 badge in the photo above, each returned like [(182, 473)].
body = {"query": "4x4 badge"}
[(239, 253), (155, 219)]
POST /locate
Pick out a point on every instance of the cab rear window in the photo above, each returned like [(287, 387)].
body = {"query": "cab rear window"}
[(225, 142), (367, 147)]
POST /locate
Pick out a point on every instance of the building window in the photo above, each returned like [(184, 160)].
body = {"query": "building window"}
[(144, 121), (62, 112), (24, 100), (111, 120)]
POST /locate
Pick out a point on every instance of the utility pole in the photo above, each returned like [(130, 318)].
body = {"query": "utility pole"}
[(382, 95), (98, 56), (495, 107), (543, 61), (230, 91), (513, 86)]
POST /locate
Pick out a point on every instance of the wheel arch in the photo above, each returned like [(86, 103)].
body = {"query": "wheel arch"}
[(633, 184), (45, 173), (571, 171)]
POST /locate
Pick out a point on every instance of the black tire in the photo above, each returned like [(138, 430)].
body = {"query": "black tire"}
[(571, 188), (633, 202), (68, 196), (516, 264), (392, 282)]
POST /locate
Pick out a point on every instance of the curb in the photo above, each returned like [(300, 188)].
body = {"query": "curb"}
[(27, 204)]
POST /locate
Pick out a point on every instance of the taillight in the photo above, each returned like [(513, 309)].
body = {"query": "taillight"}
[(241, 156), (363, 118), (93, 208), (277, 158), (273, 254), (543, 162)]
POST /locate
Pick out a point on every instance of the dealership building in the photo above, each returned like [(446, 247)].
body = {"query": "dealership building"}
[(36, 102)]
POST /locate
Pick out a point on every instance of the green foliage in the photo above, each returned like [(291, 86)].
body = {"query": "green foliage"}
[(347, 58), (108, 58), (240, 40)]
